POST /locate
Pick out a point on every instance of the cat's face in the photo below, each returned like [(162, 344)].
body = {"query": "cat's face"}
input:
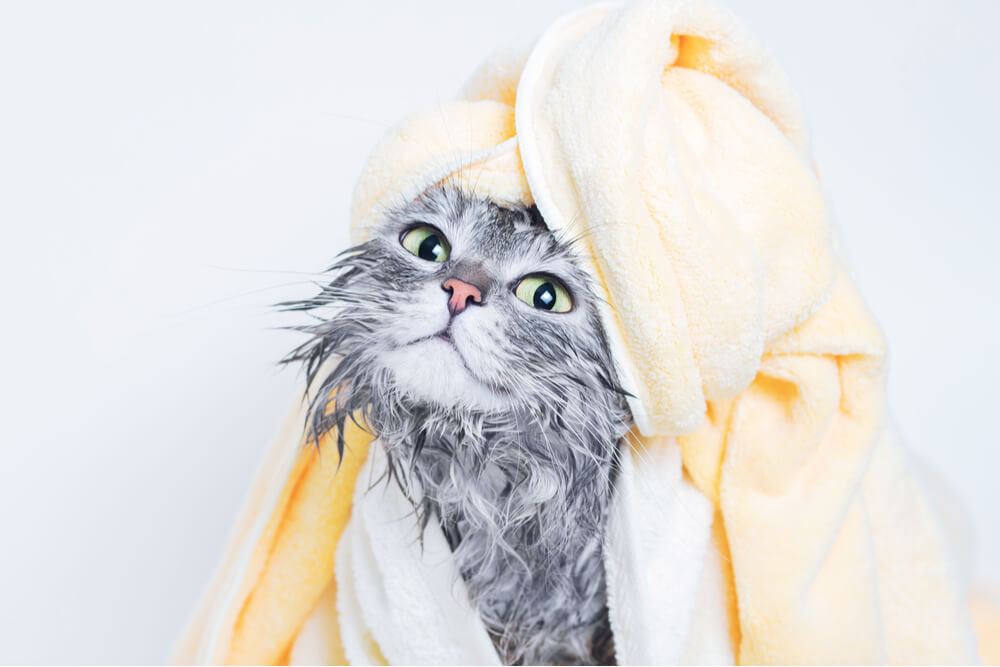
[(462, 303), (486, 305)]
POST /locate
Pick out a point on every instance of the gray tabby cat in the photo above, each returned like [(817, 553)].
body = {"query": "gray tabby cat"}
[(469, 344)]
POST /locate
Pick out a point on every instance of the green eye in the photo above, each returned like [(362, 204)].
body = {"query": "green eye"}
[(426, 243), (544, 292)]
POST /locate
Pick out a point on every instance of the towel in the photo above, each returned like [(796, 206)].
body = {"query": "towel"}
[(663, 136)]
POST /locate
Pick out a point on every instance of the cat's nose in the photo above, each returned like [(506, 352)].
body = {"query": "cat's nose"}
[(462, 294)]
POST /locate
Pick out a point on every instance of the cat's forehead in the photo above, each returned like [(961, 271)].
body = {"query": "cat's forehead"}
[(473, 224)]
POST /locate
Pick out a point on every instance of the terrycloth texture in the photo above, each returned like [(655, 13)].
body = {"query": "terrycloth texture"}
[(401, 599), (280, 556), (667, 587), (663, 136)]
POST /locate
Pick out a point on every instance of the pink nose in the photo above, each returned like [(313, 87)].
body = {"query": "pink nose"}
[(461, 294)]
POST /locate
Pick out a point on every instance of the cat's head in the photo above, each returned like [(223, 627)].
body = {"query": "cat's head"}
[(459, 304)]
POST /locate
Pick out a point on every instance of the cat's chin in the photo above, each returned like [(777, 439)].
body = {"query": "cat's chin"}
[(433, 371)]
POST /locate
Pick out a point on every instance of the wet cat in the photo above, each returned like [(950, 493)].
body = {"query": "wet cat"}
[(468, 339)]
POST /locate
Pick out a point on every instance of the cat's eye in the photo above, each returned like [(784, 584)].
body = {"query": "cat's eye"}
[(426, 243), (544, 292)]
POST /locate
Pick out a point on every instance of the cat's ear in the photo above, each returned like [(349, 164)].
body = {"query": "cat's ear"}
[(529, 218)]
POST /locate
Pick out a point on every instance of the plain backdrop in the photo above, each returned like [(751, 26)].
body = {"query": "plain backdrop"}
[(170, 169)]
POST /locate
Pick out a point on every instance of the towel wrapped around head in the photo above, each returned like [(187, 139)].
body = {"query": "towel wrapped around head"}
[(662, 136)]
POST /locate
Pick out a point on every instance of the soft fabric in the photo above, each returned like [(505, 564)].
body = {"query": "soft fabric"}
[(667, 588), (662, 136), (400, 597), (280, 557)]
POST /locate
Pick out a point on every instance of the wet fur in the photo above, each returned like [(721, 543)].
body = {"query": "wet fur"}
[(508, 438)]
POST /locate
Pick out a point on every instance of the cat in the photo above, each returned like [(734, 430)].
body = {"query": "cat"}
[(470, 345)]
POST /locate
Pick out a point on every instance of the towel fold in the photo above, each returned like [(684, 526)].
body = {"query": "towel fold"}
[(662, 135)]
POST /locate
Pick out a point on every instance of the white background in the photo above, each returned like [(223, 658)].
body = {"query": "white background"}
[(168, 170)]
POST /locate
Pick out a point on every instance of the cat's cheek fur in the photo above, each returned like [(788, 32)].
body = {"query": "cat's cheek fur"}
[(478, 333), (424, 313), (432, 371)]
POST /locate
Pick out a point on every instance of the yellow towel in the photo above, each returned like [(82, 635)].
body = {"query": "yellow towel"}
[(663, 135)]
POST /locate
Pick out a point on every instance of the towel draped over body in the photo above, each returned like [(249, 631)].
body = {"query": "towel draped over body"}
[(766, 511)]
